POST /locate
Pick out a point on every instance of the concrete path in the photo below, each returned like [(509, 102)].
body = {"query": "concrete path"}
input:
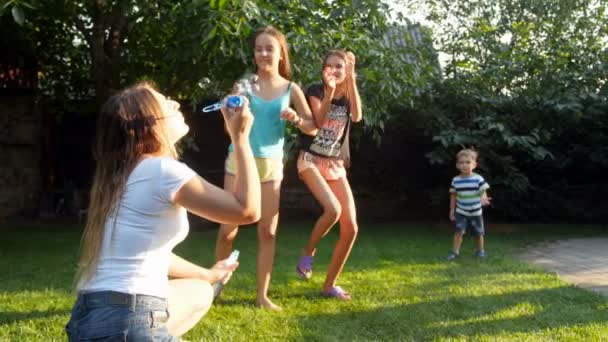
[(583, 262)]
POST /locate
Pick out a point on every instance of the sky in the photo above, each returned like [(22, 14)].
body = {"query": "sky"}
[(416, 16)]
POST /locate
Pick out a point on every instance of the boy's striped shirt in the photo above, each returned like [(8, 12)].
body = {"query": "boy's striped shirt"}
[(468, 192)]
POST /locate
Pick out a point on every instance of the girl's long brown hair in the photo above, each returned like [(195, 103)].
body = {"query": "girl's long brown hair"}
[(341, 54), (347, 92), (284, 64), (127, 128)]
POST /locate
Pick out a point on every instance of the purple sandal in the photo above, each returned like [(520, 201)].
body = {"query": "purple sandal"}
[(337, 292), (304, 268)]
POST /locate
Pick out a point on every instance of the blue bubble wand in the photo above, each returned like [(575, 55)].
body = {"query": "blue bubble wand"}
[(244, 87)]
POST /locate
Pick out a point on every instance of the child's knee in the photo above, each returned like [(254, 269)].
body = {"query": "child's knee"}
[(267, 237), (333, 211), (267, 230), (228, 233), (349, 230)]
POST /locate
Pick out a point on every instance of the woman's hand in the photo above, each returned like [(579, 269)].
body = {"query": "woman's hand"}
[(238, 121), (222, 272)]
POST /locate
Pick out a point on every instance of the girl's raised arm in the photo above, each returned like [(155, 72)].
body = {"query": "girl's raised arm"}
[(353, 92)]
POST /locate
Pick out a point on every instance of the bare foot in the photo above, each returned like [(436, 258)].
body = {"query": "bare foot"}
[(267, 304)]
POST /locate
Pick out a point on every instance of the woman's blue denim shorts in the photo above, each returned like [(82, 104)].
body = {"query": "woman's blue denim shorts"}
[(116, 316)]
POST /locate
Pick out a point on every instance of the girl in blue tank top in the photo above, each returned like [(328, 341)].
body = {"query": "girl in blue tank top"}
[(268, 131), (270, 106)]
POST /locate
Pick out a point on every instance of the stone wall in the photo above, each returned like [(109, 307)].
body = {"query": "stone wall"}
[(20, 176)]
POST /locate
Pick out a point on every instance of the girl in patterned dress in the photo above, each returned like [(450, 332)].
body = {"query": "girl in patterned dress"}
[(321, 164)]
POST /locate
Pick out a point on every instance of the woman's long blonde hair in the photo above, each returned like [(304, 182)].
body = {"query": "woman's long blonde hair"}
[(127, 128)]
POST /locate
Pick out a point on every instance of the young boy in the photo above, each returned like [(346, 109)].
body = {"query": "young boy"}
[(467, 196)]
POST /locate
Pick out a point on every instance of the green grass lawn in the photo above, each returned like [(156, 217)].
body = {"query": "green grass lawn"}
[(401, 288)]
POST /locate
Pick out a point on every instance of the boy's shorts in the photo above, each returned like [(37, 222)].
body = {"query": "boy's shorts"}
[(469, 225), (268, 169), (329, 168)]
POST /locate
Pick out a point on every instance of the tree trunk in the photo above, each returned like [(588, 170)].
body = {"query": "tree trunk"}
[(105, 40)]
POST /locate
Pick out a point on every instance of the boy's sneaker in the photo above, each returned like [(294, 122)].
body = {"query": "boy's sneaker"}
[(481, 254), (453, 255)]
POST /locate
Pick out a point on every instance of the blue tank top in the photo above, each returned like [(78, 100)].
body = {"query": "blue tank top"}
[(268, 131)]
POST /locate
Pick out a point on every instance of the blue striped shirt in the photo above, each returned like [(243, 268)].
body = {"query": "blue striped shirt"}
[(468, 190)]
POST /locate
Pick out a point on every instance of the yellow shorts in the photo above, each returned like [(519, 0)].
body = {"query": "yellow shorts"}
[(268, 169)]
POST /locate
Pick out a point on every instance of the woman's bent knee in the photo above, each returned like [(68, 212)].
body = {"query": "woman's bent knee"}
[(191, 295), (202, 296)]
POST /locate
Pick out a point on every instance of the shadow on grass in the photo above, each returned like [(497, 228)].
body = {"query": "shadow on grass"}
[(8, 317), (467, 316), (39, 260), (380, 243)]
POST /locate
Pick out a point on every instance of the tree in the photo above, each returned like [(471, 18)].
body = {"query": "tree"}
[(525, 82), (120, 41), (72, 35)]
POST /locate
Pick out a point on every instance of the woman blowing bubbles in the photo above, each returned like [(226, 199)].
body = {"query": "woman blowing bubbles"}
[(138, 214)]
